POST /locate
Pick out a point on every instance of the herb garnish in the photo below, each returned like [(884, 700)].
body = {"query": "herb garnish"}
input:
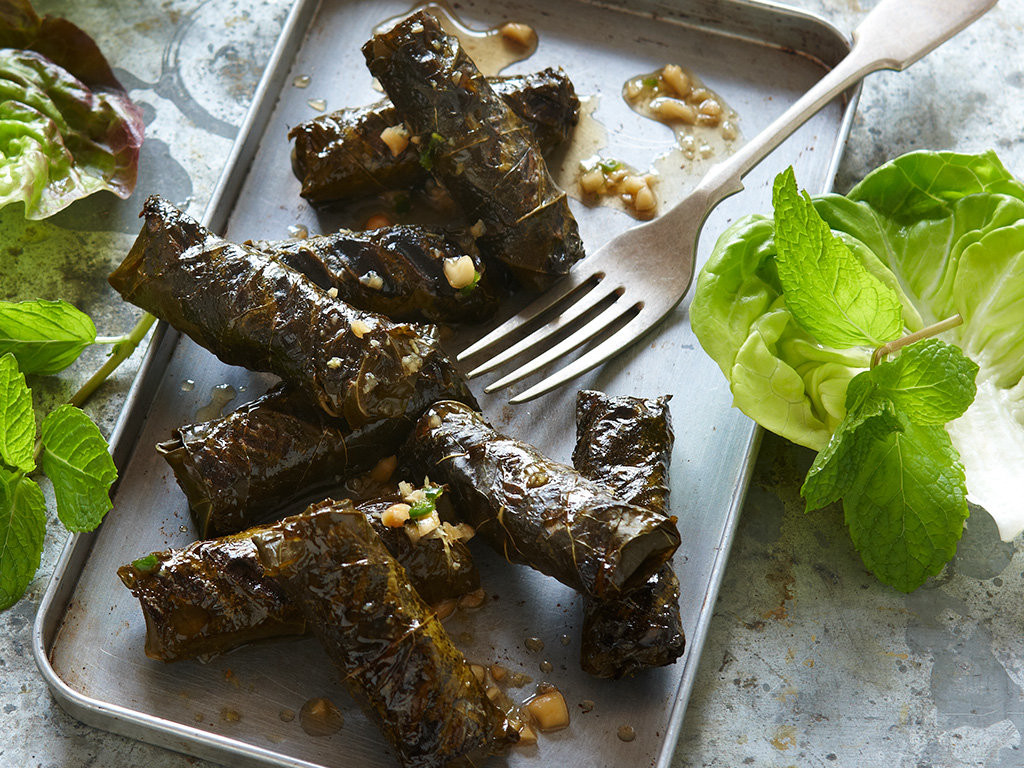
[(45, 337), (428, 504)]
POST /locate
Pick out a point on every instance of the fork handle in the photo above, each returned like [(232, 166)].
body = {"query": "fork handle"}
[(894, 35)]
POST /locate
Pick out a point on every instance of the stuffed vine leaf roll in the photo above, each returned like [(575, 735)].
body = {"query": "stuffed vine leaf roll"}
[(207, 598), (625, 443), (279, 449), (251, 310), (390, 648), (403, 271), (341, 156), (536, 511), (477, 148), (212, 596)]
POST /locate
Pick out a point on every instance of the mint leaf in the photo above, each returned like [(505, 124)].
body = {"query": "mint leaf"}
[(829, 477), (45, 336), (22, 529), (931, 381), (77, 460), (906, 503), (827, 289), (17, 422)]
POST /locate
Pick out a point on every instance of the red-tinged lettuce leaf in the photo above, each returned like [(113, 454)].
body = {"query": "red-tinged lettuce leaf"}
[(67, 127)]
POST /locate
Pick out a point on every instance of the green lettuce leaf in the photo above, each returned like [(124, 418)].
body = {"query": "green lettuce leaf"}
[(945, 231), (67, 128)]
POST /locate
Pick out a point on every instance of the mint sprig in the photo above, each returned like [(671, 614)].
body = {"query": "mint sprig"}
[(827, 289), (890, 461), (45, 337), (894, 466)]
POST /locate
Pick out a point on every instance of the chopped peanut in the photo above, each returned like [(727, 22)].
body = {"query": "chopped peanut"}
[(520, 34), (459, 271), (678, 80), (548, 711), (396, 137), (395, 515)]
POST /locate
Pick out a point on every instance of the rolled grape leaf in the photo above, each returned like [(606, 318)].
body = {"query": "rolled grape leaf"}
[(389, 647), (625, 444), (404, 271), (67, 127), (478, 149), (212, 596), (536, 511), (251, 310), (341, 156), (280, 450)]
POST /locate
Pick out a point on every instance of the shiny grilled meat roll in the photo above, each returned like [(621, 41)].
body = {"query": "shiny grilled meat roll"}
[(389, 647), (280, 450), (212, 596), (403, 271), (341, 156), (478, 149), (625, 443), (251, 310), (536, 511)]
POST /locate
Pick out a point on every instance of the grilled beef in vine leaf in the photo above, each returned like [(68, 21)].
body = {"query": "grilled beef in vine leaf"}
[(625, 443), (214, 595), (536, 511), (478, 149), (403, 271), (390, 648), (341, 156), (251, 310)]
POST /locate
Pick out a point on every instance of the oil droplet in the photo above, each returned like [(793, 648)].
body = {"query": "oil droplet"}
[(626, 733), (286, 715), (229, 715), (298, 231), (220, 396), (318, 104), (587, 706), (302, 81), (319, 717), (534, 644), (564, 639), (546, 666), (188, 385)]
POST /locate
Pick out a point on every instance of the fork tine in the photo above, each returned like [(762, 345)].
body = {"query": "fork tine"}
[(566, 286), (618, 341), (592, 298), (581, 336)]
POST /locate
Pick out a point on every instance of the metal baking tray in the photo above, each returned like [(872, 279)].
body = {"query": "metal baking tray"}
[(89, 633)]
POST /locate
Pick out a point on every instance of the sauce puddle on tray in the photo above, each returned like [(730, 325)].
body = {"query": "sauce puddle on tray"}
[(704, 127), (491, 49)]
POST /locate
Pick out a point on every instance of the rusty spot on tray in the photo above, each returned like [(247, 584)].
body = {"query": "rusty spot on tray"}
[(785, 737)]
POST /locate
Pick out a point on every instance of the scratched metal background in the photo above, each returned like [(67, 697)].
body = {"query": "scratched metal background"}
[(809, 661)]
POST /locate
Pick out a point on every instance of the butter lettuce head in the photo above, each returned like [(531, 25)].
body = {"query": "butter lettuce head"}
[(946, 232), (67, 128)]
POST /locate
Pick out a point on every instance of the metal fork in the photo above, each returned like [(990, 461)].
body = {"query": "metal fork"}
[(644, 272)]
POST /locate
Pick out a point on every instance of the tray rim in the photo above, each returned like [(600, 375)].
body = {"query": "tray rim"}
[(53, 605)]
